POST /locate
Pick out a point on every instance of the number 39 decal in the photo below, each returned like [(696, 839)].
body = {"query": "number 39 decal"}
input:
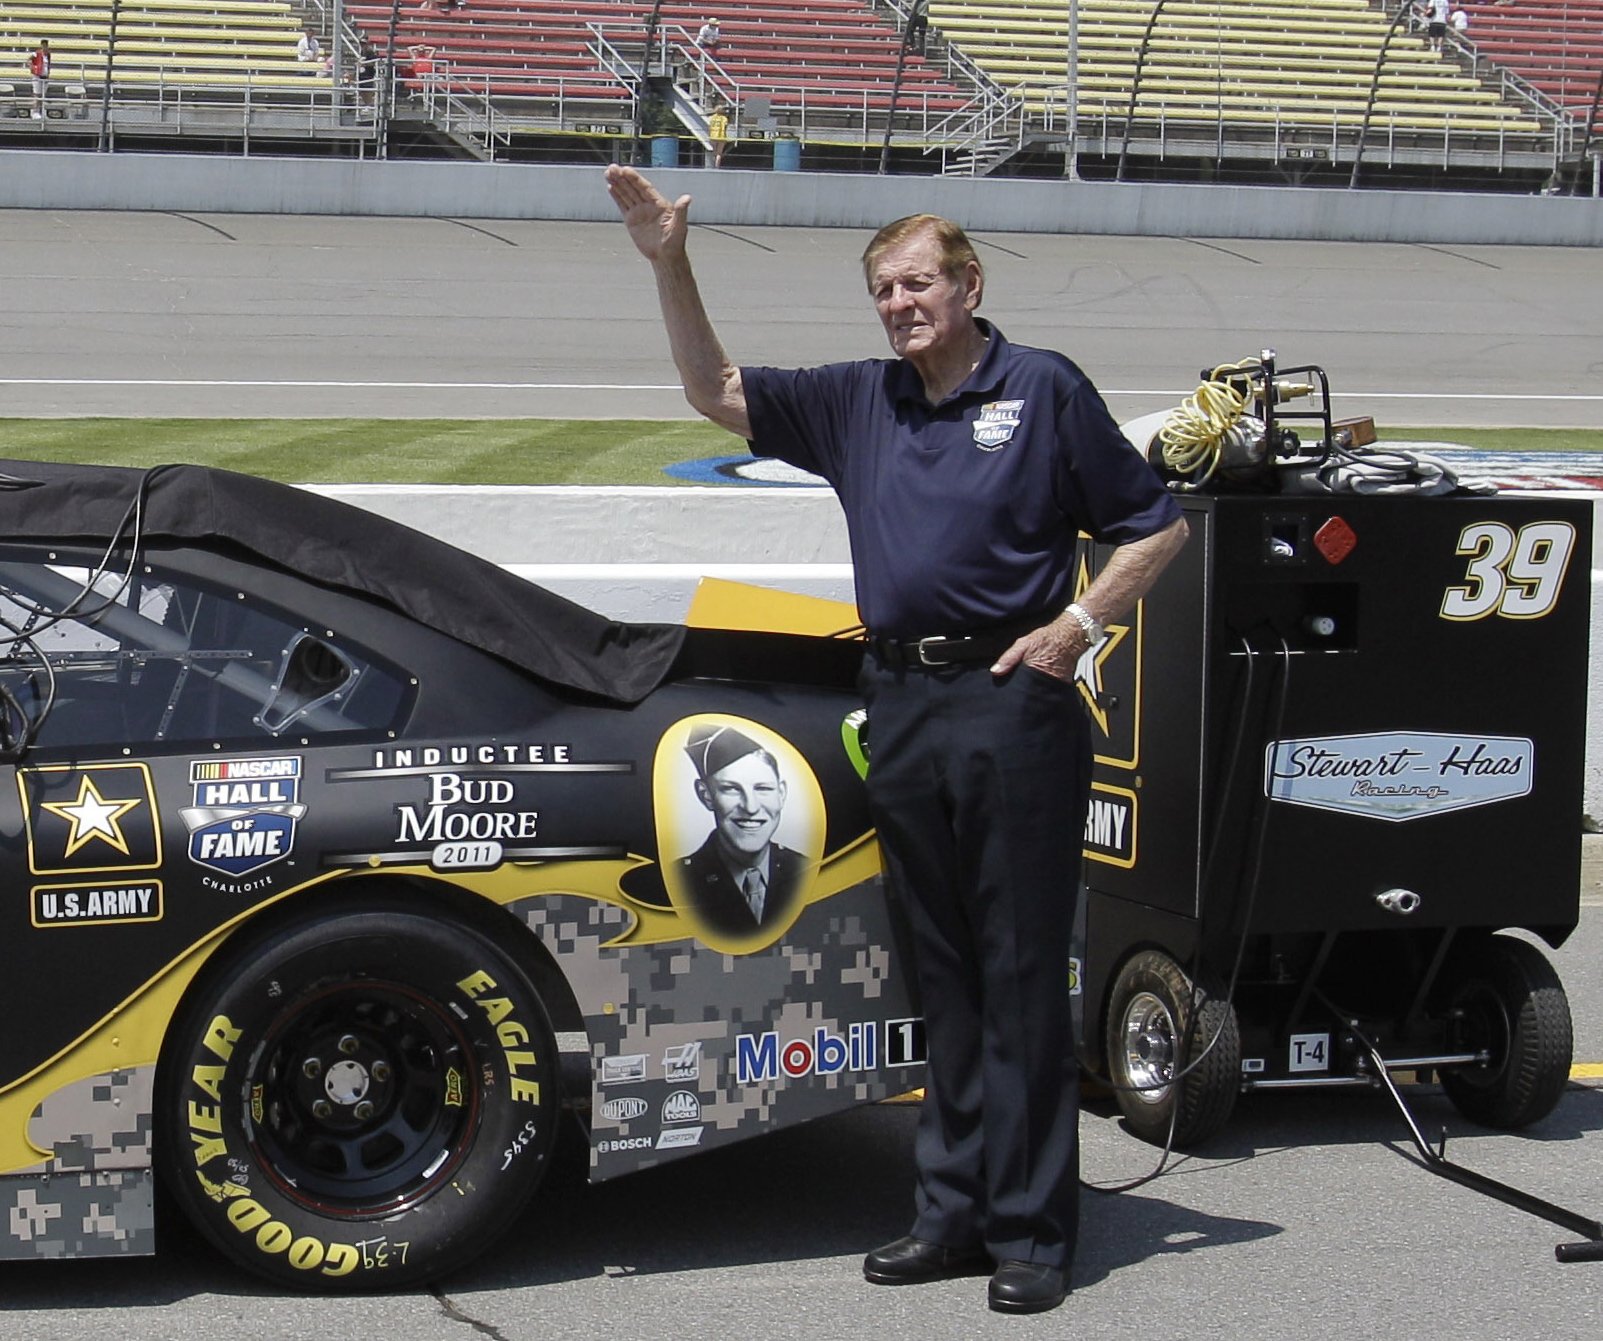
[(1515, 574)]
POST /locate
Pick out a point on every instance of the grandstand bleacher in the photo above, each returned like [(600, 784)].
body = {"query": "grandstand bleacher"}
[(200, 44), (806, 59), (1556, 48), (1289, 63)]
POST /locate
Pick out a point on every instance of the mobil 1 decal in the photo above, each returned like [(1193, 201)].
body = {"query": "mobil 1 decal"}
[(243, 817), (95, 835)]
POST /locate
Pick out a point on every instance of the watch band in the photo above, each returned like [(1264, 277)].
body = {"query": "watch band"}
[(1094, 633)]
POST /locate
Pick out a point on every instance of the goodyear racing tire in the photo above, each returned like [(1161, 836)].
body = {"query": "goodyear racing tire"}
[(1514, 1007), (1147, 1012), (358, 1101)]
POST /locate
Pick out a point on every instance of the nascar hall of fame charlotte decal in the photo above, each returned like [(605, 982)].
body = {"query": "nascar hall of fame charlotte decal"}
[(244, 813), (997, 423), (95, 822)]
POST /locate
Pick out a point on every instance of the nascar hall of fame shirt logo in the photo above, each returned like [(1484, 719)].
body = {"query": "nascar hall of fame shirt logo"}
[(996, 424), (244, 813)]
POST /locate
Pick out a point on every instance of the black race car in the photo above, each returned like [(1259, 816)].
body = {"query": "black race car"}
[(343, 864)]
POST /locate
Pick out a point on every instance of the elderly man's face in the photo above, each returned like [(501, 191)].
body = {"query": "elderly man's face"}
[(745, 797), (924, 310)]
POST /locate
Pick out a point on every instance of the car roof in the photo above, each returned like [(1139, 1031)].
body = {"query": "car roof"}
[(345, 548)]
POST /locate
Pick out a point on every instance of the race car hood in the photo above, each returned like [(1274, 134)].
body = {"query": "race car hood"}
[(344, 547)]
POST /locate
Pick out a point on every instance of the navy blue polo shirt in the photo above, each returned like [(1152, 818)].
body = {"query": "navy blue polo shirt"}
[(961, 515)]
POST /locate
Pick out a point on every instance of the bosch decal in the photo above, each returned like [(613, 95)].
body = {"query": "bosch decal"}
[(1398, 775), (244, 813)]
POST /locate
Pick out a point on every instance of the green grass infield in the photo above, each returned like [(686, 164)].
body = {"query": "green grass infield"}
[(487, 451)]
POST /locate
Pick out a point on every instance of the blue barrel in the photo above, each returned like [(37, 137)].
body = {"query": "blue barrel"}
[(664, 151), (787, 155)]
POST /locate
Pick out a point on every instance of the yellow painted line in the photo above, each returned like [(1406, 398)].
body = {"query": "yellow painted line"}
[(1587, 1071)]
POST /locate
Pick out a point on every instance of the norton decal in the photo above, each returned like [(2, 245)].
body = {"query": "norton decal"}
[(1110, 826), (90, 817), (244, 813), (740, 826), (95, 905), (1398, 775), (997, 423), (471, 815)]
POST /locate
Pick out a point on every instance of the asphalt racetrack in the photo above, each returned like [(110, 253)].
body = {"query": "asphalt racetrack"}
[(247, 315), (1306, 1217)]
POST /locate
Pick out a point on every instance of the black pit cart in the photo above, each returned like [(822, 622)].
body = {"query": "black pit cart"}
[(344, 864), (1339, 771)]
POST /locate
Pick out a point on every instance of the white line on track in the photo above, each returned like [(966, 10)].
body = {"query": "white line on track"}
[(674, 386)]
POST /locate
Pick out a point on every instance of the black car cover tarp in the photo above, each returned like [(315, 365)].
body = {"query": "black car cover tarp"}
[(344, 547)]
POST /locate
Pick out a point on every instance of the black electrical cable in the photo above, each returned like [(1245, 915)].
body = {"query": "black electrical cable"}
[(1188, 1034), (29, 725)]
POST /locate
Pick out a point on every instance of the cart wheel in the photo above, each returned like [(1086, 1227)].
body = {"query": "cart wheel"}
[(1149, 1005), (1514, 1007), (360, 1100)]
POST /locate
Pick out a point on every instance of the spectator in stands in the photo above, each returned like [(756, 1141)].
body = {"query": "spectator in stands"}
[(1458, 17), (39, 68), (367, 73), (708, 36), (918, 29), (718, 133), (1437, 29), (309, 48)]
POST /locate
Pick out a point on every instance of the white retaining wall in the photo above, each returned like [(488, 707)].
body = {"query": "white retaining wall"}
[(55, 179)]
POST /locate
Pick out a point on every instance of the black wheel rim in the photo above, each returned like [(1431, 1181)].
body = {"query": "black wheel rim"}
[(1485, 1027), (361, 1099)]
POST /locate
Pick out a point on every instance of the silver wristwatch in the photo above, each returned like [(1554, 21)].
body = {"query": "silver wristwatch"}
[(1094, 632)]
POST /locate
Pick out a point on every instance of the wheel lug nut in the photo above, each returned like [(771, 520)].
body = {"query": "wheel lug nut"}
[(322, 1108), (380, 1071), (363, 1111), (311, 1068), (349, 1044)]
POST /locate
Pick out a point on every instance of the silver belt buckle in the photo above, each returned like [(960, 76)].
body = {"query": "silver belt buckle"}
[(924, 656)]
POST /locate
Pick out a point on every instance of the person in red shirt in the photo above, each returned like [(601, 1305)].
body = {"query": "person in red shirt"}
[(39, 68)]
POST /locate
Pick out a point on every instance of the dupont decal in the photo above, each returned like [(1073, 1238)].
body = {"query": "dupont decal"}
[(865, 1046), (1398, 775), (95, 905), (90, 818), (624, 1110), (244, 813)]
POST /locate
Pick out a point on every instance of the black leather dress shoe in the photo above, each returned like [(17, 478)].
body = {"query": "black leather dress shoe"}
[(1027, 1287), (908, 1261)]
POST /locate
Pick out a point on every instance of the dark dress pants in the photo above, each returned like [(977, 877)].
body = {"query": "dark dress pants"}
[(978, 788)]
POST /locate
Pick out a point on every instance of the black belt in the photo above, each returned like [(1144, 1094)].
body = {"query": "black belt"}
[(950, 649)]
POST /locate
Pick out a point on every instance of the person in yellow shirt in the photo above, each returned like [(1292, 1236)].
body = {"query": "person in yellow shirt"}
[(718, 133)]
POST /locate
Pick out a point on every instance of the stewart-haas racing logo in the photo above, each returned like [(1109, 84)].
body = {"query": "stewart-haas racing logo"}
[(244, 813)]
